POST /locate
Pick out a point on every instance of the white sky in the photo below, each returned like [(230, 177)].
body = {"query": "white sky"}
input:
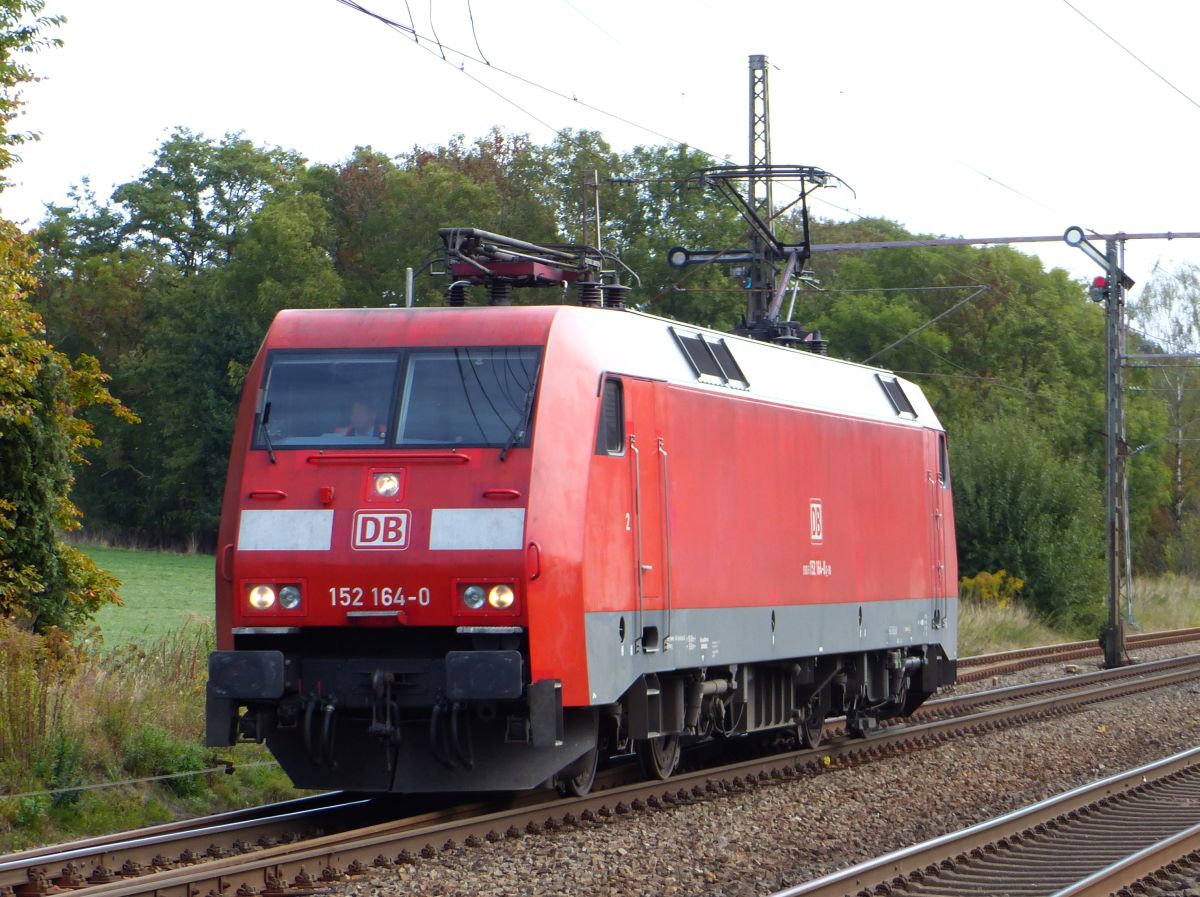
[(921, 106)]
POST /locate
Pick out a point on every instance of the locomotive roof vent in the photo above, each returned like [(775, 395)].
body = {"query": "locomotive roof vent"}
[(711, 359), (895, 393)]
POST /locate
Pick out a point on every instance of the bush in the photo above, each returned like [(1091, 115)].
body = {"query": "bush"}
[(998, 589), (153, 751), (1022, 508)]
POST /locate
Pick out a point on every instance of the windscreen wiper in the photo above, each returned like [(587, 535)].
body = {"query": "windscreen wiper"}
[(522, 425), (262, 422)]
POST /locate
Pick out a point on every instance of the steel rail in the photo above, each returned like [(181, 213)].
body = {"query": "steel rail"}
[(48, 853), (984, 666), (988, 845), (940, 707), (285, 870), (141, 849), (1185, 634)]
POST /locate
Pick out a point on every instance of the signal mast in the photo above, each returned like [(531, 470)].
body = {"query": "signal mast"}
[(759, 264)]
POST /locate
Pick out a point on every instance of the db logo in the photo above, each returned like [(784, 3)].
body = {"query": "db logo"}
[(816, 523), (376, 529)]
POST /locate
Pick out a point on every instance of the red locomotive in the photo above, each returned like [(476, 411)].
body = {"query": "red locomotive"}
[(482, 548)]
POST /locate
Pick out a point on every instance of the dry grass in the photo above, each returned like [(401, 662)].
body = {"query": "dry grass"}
[(76, 718), (985, 627), (1165, 602)]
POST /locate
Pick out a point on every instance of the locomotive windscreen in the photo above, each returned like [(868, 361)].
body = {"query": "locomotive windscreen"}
[(464, 396)]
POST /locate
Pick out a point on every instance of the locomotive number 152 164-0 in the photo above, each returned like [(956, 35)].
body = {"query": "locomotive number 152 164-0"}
[(357, 596)]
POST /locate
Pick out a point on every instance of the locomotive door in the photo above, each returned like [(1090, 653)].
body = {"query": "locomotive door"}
[(938, 477), (648, 466)]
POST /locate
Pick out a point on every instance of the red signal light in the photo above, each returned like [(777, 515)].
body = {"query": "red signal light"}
[(1100, 283)]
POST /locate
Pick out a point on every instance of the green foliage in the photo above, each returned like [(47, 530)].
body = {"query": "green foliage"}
[(1021, 507), (1167, 312), (78, 716), (22, 28), (151, 750), (42, 436), (43, 397), (192, 204)]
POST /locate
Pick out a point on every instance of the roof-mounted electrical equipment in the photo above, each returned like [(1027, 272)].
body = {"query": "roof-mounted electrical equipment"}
[(476, 257)]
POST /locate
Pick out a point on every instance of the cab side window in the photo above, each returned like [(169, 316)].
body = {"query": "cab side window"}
[(610, 435)]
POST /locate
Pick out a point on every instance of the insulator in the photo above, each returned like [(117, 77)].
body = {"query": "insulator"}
[(614, 295), (589, 294), (456, 295), (499, 292)]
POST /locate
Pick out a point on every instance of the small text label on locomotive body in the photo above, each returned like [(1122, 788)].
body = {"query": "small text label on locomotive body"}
[(816, 521), (380, 529), (817, 568)]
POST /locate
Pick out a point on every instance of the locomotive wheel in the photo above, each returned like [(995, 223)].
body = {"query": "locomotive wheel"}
[(580, 783), (658, 756), (809, 730)]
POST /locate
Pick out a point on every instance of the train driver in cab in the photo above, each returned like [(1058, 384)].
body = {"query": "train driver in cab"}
[(364, 424)]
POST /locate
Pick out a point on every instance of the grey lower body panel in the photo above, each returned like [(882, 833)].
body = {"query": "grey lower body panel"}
[(697, 638)]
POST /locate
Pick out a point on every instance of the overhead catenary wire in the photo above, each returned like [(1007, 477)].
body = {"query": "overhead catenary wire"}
[(358, 7), (983, 288), (471, 16), (1132, 55)]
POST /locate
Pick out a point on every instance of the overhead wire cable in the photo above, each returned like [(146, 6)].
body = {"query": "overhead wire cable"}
[(471, 16), (983, 288), (411, 20), (1000, 183), (433, 28), (510, 102), (352, 4), (591, 21), (391, 23), (1132, 55), (418, 38)]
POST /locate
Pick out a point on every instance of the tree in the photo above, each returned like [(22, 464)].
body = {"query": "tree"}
[(204, 339), (22, 28), (1166, 316), (153, 284), (1021, 507), (43, 581), (196, 198)]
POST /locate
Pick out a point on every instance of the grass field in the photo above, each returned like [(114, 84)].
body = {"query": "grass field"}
[(161, 591)]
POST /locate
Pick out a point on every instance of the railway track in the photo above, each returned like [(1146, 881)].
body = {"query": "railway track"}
[(1092, 841), (984, 666), (302, 867)]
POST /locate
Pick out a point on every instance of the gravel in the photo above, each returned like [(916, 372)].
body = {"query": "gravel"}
[(754, 842)]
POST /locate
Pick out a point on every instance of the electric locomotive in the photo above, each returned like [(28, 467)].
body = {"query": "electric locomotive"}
[(481, 548)]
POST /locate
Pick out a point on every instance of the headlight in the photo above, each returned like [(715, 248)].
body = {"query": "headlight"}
[(501, 597), (387, 484), (262, 597), (289, 597), (473, 597)]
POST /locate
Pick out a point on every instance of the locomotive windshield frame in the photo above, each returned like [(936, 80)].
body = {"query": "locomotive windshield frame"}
[(398, 398)]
